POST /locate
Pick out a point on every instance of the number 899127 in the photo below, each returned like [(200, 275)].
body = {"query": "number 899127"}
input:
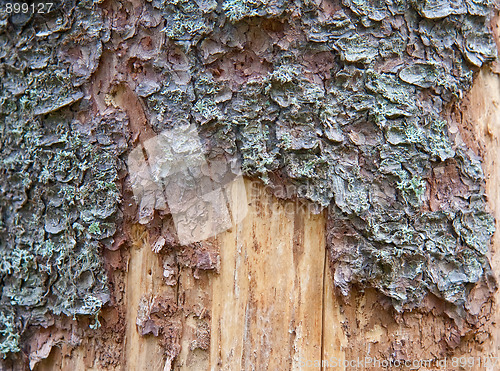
[(15, 7)]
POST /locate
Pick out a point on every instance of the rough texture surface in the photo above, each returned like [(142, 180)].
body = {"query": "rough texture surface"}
[(347, 104), (58, 192)]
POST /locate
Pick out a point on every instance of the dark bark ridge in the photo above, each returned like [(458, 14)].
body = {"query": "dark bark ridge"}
[(342, 102)]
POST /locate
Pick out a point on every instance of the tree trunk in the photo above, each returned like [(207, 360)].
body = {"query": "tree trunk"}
[(267, 292)]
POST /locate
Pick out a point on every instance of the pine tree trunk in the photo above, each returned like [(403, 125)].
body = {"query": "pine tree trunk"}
[(263, 294)]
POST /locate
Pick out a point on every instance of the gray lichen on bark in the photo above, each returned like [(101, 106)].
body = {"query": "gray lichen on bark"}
[(344, 101), (58, 192)]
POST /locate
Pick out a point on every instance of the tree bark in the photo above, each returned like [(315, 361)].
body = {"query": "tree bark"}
[(262, 294)]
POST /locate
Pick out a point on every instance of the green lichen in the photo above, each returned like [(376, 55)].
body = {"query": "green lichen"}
[(9, 333), (236, 10), (58, 194), (412, 189)]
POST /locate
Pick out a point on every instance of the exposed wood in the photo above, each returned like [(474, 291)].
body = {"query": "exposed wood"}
[(267, 300), (272, 304), (484, 113)]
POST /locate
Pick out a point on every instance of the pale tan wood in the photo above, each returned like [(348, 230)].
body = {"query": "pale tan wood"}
[(144, 279), (268, 297), (334, 338), (484, 111)]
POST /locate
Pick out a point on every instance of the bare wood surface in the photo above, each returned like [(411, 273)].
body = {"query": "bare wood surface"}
[(484, 113), (267, 301)]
